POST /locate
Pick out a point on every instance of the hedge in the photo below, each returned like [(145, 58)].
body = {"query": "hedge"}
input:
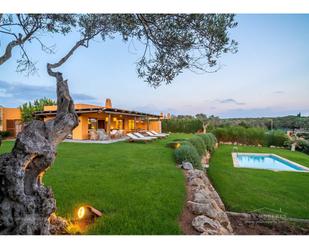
[(188, 153), (209, 141), (276, 138), (192, 149), (199, 144), (184, 125)]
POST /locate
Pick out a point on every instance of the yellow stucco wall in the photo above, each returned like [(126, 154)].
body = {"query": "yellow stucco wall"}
[(81, 131), (9, 114)]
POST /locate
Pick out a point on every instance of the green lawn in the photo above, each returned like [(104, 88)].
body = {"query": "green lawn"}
[(137, 186), (250, 189)]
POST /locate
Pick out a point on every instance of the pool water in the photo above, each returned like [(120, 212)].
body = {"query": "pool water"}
[(266, 161)]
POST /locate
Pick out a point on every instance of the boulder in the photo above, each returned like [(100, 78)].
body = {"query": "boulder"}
[(196, 182), (202, 223), (201, 196), (207, 209), (187, 165)]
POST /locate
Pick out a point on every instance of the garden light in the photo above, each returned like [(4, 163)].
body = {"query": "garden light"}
[(88, 214), (81, 212)]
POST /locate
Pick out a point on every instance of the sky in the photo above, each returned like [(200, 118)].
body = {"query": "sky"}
[(268, 76)]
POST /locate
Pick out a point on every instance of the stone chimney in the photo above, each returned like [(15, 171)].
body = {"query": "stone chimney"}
[(108, 103)]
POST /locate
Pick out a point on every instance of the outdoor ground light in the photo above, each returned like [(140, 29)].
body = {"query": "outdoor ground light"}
[(87, 214)]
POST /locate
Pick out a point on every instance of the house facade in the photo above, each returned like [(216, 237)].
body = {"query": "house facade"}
[(106, 118), (10, 120)]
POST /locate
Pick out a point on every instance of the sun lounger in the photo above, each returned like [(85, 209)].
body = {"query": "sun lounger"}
[(142, 136), (133, 138), (156, 133)]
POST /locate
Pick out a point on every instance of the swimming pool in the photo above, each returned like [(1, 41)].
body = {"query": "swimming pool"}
[(266, 161)]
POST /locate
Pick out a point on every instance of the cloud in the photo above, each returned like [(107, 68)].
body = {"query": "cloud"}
[(229, 101), (15, 94)]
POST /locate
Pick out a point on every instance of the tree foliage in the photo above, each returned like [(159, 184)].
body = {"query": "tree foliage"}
[(28, 109)]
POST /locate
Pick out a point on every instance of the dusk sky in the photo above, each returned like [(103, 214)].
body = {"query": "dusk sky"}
[(269, 76)]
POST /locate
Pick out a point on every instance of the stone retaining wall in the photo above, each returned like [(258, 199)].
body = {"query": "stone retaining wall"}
[(206, 205)]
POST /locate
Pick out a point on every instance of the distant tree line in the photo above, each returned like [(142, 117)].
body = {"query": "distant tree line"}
[(190, 123)]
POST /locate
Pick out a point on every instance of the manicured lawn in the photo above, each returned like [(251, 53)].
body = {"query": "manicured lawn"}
[(250, 189), (137, 186)]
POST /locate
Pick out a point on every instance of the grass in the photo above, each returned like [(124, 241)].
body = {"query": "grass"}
[(245, 190), (137, 186)]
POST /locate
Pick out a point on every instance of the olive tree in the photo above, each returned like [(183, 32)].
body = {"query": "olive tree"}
[(172, 43)]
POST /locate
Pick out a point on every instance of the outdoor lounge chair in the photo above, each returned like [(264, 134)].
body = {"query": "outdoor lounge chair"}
[(142, 136), (133, 138), (156, 133)]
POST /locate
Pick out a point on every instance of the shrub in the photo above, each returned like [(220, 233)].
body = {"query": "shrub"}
[(276, 138), (213, 138), (303, 146), (209, 141), (239, 134), (5, 134), (199, 145), (186, 125), (187, 153)]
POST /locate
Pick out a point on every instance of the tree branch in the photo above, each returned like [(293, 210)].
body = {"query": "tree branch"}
[(18, 42)]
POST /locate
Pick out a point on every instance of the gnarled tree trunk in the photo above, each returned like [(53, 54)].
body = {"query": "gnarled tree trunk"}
[(25, 203)]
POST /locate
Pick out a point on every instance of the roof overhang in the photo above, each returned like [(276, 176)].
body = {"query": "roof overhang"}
[(101, 110)]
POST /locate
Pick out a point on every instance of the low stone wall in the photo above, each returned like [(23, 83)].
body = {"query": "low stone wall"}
[(206, 205)]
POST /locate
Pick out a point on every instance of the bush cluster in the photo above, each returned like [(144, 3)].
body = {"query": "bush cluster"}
[(303, 146), (239, 134), (4, 134), (187, 153), (276, 138), (185, 125), (250, 136), (192, 149), (199, 144), (209, 140)]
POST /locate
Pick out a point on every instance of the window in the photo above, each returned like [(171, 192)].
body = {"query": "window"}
[(131, 124), (92, 123)]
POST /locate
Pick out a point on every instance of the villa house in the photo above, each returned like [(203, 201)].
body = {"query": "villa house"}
[(106, 119), (10, 120)]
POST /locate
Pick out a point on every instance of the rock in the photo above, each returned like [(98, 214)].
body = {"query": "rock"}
[(187, 165), (202, 223), (221, 231), (210, 232), (197, 182), (201, 196), (58, 225), (203, 208), (224, 221), (196, 173)]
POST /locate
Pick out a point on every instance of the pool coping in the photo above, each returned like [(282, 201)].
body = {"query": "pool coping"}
[(236, 163)]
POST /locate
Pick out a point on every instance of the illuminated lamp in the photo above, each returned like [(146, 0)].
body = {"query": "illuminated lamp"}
[(87, 214)]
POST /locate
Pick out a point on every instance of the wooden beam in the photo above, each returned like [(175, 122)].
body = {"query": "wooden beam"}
[(147, 123), (109, 124)]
